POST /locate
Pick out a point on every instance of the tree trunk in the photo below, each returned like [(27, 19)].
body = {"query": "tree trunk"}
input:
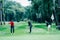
[(4, 19), (1, 19)]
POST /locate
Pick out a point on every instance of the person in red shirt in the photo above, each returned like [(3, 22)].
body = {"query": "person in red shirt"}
[(12, 26)]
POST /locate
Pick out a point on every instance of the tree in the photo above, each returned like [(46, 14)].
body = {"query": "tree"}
[(42, 7), (14, 8), (1, 11)]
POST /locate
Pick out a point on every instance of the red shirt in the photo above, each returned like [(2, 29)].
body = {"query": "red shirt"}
[(11, 23)]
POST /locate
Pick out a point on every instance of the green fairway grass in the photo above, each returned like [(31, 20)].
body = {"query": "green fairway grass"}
[(22, 30)]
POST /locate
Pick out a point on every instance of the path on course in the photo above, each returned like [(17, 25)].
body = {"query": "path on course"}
[(32, 37)]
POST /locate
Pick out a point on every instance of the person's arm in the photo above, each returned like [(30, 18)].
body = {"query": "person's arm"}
[(9, 23)]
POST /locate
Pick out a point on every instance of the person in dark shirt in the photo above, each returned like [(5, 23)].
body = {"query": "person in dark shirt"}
[(12, 26), (46, 23), (30, 25)]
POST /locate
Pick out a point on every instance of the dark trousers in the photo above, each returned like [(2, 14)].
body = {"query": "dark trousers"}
[(30, 28), (12, 29), (47, 24)]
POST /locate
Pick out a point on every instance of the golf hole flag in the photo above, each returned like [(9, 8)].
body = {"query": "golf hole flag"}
[(52, 17)]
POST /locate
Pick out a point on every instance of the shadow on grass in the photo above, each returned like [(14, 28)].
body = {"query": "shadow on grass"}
[(22, 27), (2, 28), (41, 26)]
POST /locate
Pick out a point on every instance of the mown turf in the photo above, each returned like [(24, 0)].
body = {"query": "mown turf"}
[(21, 28), (39, 32)]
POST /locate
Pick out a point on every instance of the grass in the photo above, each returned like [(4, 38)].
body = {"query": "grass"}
[(22, 32), (21, 27)]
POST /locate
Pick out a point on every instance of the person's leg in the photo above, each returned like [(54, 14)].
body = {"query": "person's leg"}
[(13, 29), (49, 27), (30, 29)]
